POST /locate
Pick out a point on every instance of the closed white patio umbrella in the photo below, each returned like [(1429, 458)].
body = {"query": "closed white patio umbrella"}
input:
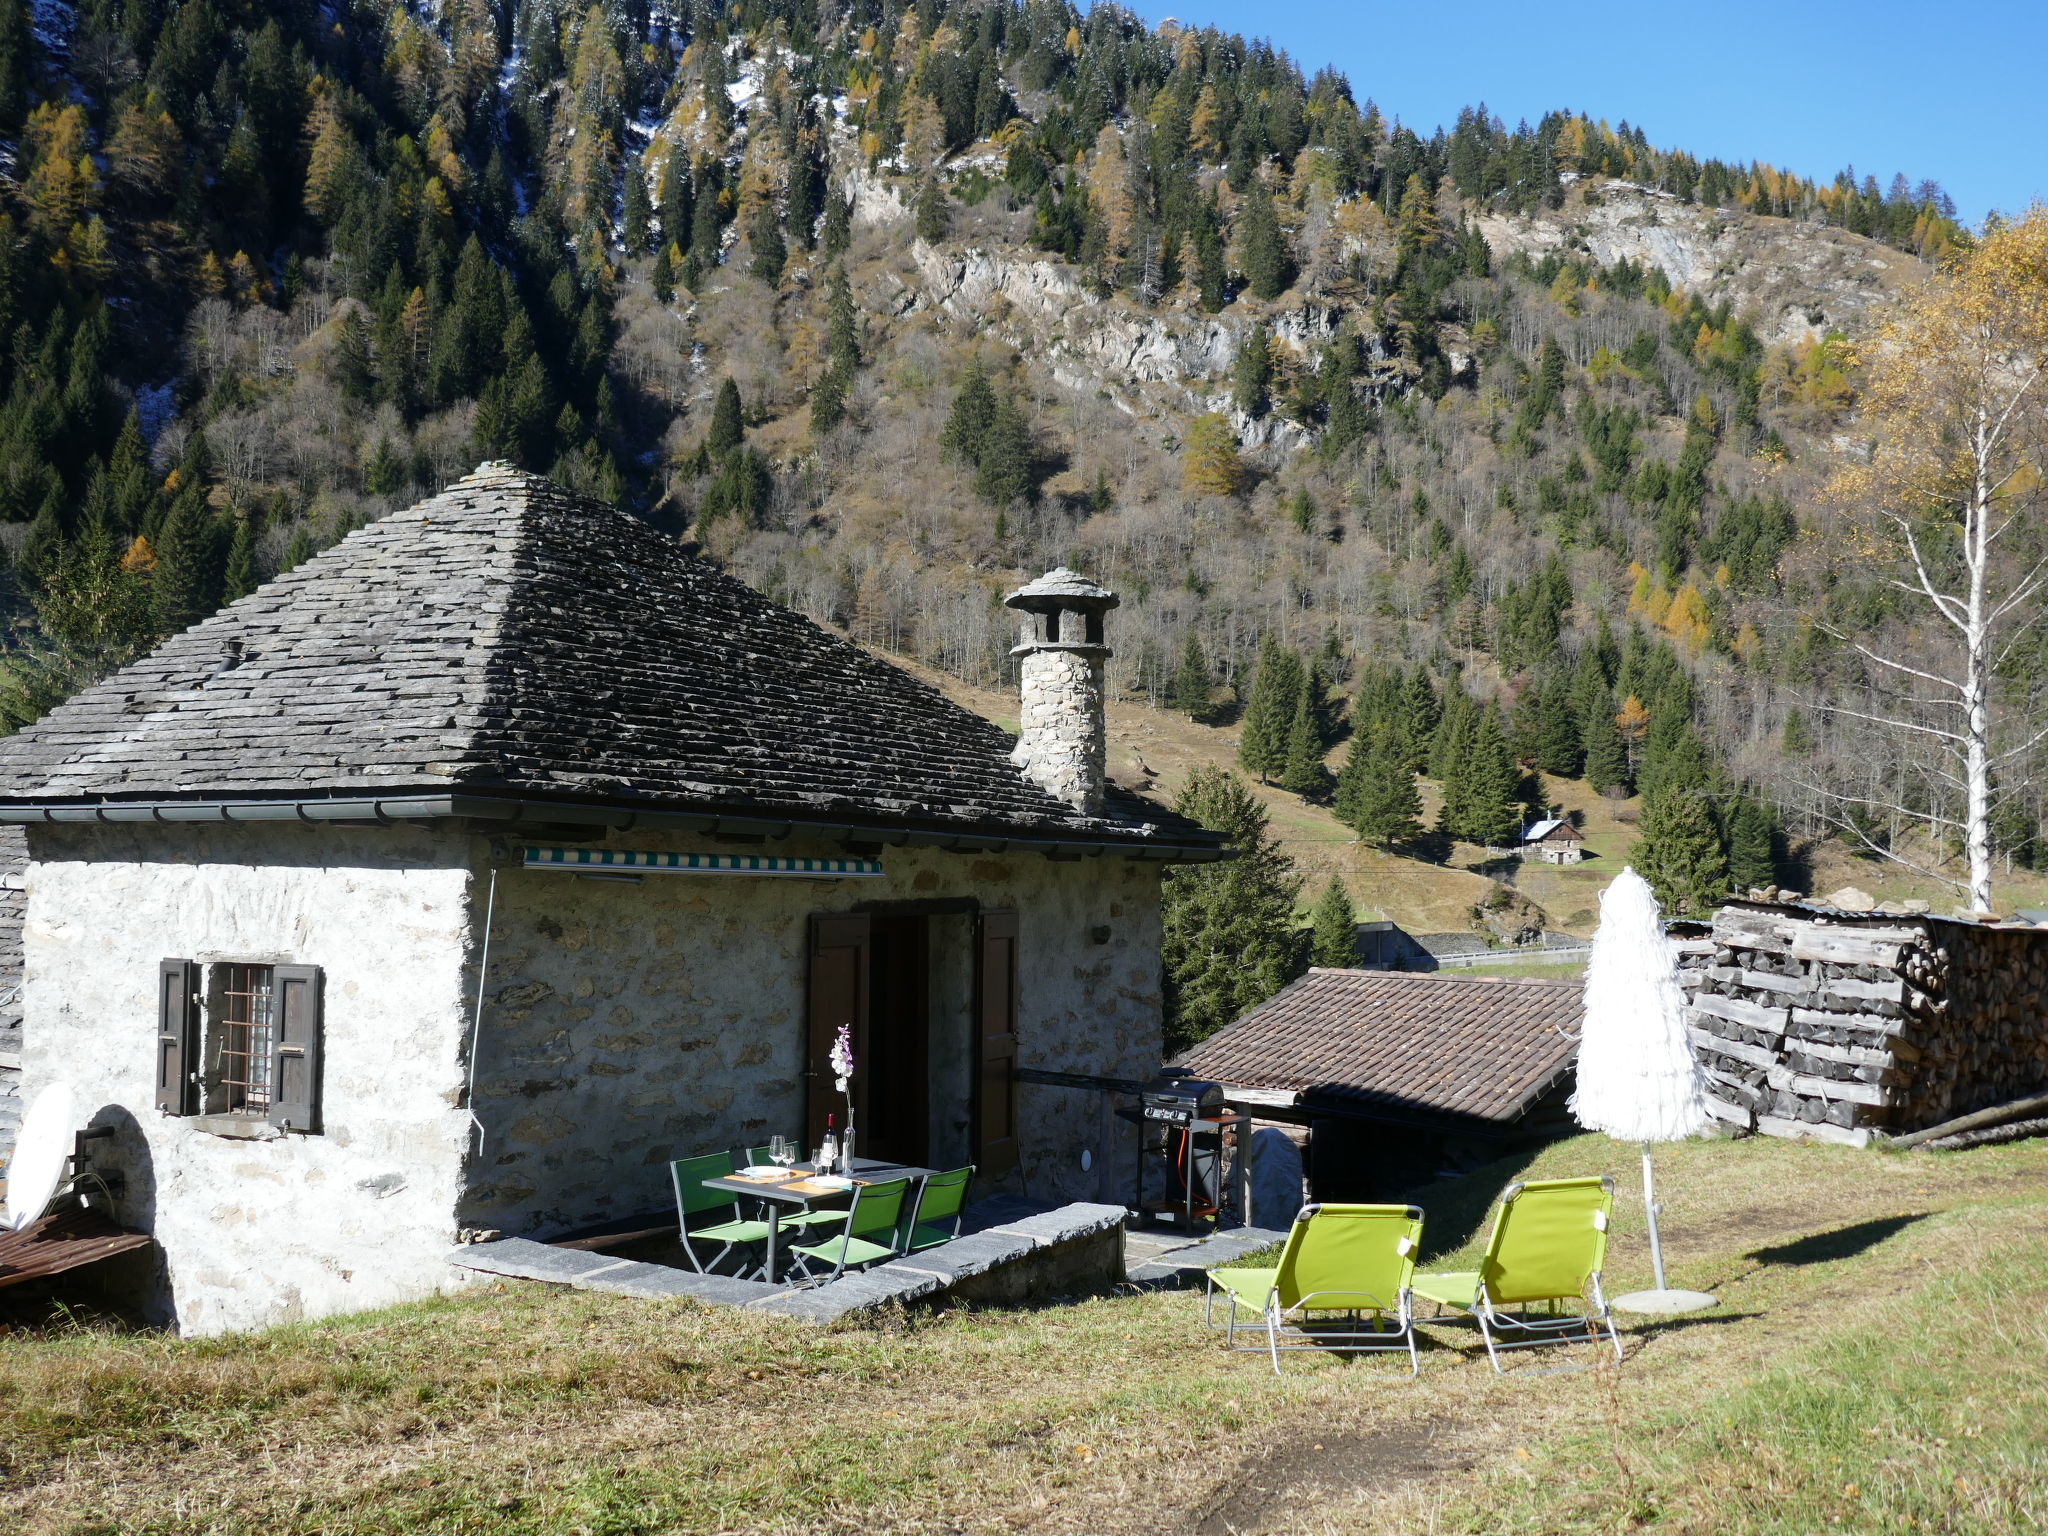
[(1637, 1078)]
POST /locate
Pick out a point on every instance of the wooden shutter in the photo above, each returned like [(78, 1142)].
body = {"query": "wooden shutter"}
[(995, 1044), (295, 1053), (838, 994), (177, 1037)]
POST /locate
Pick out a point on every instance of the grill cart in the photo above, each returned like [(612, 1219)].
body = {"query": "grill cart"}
[(1197, 1147)]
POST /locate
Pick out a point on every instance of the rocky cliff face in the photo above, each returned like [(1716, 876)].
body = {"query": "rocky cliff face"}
[(1794, 280)]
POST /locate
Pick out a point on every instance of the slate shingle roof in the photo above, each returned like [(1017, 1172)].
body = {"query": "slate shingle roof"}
[(1474, 1047), (508, 637)]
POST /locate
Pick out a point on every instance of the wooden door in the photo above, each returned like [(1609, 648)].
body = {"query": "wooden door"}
[(995, 1044), (838, 994)]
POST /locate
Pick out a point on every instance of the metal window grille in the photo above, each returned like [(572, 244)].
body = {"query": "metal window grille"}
[(247, 1036)]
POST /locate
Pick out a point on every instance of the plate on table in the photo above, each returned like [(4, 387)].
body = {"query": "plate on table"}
[(830, 1181), (764, 1172)]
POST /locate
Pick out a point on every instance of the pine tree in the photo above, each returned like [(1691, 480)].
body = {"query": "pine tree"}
[(1385, 808), (635, 210), (1002, 472), (238, 579), (1269, 710), (1420, 713), (828, 401), (1302, 771), (842, 321), (1228, 941), (1333, 928), (1488, 790), (1679, 852), (15, 50), (967, 425), (1560, 746), (932, 217), (1796, 738), (186, 584), (1188, 690), (1752, 838), (771, 252), (1262, 248), (728, 420), (1452, 736), (663, 276)]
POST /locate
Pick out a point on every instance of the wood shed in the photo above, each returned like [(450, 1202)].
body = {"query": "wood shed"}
[(1837, 1025)]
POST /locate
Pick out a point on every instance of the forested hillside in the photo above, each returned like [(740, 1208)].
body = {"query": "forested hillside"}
[(1491, 449)]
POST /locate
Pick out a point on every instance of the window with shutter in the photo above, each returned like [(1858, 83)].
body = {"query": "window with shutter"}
[(177, 1037), (295, 1053)]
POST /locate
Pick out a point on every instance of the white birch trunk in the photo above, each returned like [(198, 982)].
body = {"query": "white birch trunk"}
[(1976, 700)]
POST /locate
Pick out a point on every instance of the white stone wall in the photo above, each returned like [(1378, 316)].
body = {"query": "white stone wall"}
[(1060, 737), (630, 1024), (261, 1231)]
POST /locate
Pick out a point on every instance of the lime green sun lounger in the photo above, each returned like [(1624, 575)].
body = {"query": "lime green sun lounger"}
[(1352, 1261), (1549, 1241)]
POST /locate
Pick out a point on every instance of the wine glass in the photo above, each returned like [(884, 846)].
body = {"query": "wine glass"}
[(780, 1152)]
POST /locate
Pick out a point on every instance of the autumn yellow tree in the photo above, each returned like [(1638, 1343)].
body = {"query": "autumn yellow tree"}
[(1211, 465), (1944, 495)]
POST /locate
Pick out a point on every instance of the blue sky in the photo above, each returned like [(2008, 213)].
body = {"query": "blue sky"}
[(1950, 91)]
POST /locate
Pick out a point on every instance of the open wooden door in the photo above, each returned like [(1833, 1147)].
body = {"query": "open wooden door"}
[(995, 1045), (838, 995)]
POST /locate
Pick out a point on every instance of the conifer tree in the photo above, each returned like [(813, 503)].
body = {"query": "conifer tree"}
[(842, 321), (1453, 734), (1420, 713), (728, 420), (1269, 710), (771, 252), (932, 217), (1228, 941), (1302, 771), (238, 578), (1188, 690), (636, 212), (828, 401), (1383, 807), (186, 585), (1607, 766), (967, 425), (1262, 248), (1212, 466), (1752, 837), (1333, 928), (1483, 799), (1678, 850), (663, 276), (1003, 469)]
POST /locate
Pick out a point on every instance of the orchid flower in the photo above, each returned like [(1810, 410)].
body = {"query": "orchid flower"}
[(842, 1057)]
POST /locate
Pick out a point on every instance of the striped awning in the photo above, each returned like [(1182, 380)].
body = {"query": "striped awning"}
[(625, 859)]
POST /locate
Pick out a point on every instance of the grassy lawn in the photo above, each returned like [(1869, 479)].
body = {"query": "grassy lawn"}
[(1874, 1367)]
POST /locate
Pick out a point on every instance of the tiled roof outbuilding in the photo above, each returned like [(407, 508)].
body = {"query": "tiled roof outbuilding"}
[(1410, 1045)]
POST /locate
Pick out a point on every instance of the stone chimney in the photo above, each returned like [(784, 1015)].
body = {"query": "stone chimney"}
[(1060, 744)]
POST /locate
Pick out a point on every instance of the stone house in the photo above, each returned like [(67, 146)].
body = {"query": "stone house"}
[(466, 874), (1554, 840)]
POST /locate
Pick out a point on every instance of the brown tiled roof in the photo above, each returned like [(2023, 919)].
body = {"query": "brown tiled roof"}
[(1472, 1047)]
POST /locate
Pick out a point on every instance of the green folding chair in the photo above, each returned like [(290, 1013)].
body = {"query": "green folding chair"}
[(940, 1203), (693, 1199), (1548, 1243), (1350, 1259), (873, 1223)]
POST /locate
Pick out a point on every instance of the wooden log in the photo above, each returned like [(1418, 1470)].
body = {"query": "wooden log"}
[(1825, 1088), (1765, 1021), (1890, 990), (1734, 1050), (1762, 981), (1997, 1114), (1752, 930), (1771, 1125), (1865, 1023), (1731, 1114), (1849, 1055), (1845, 948), (1693, 946)]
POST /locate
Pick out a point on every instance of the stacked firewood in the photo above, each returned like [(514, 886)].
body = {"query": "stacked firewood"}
[(1836, 1026)]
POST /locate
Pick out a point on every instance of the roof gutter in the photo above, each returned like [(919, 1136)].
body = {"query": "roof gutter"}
[(384, 810)]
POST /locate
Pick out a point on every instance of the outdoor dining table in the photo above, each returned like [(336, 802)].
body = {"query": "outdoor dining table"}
[(797, 1190)]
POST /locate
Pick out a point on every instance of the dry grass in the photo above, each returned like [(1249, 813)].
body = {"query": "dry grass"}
[(1875, 1308)]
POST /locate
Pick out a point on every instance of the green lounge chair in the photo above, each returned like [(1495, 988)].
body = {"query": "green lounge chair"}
[(939, 1203), (1353, 1259), (1548, 1243), (873, 1231), (693, 1199)]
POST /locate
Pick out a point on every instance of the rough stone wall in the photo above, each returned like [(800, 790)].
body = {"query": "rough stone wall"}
[(1060, 737), (1838, 1026), (260, 1231), (13, 866), (629, 1024)]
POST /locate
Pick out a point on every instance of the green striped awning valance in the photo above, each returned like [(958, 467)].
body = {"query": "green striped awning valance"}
[(700, 863)]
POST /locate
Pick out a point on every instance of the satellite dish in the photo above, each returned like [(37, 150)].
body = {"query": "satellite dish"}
[(41, 1153)]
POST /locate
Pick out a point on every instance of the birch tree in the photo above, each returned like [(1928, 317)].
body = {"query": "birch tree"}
[(1945, 505)]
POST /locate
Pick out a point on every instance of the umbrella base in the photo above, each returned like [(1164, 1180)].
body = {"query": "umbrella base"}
[(1667, 1303)]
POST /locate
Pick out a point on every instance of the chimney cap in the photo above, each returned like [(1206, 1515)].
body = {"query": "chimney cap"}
[(1062, 588)]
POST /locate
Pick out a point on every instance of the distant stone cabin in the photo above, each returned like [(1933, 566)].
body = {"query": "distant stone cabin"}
[(466, 874), (1554, 840)]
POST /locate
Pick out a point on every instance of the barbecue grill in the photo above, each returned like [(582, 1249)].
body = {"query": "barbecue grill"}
[(1188, 1133)]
